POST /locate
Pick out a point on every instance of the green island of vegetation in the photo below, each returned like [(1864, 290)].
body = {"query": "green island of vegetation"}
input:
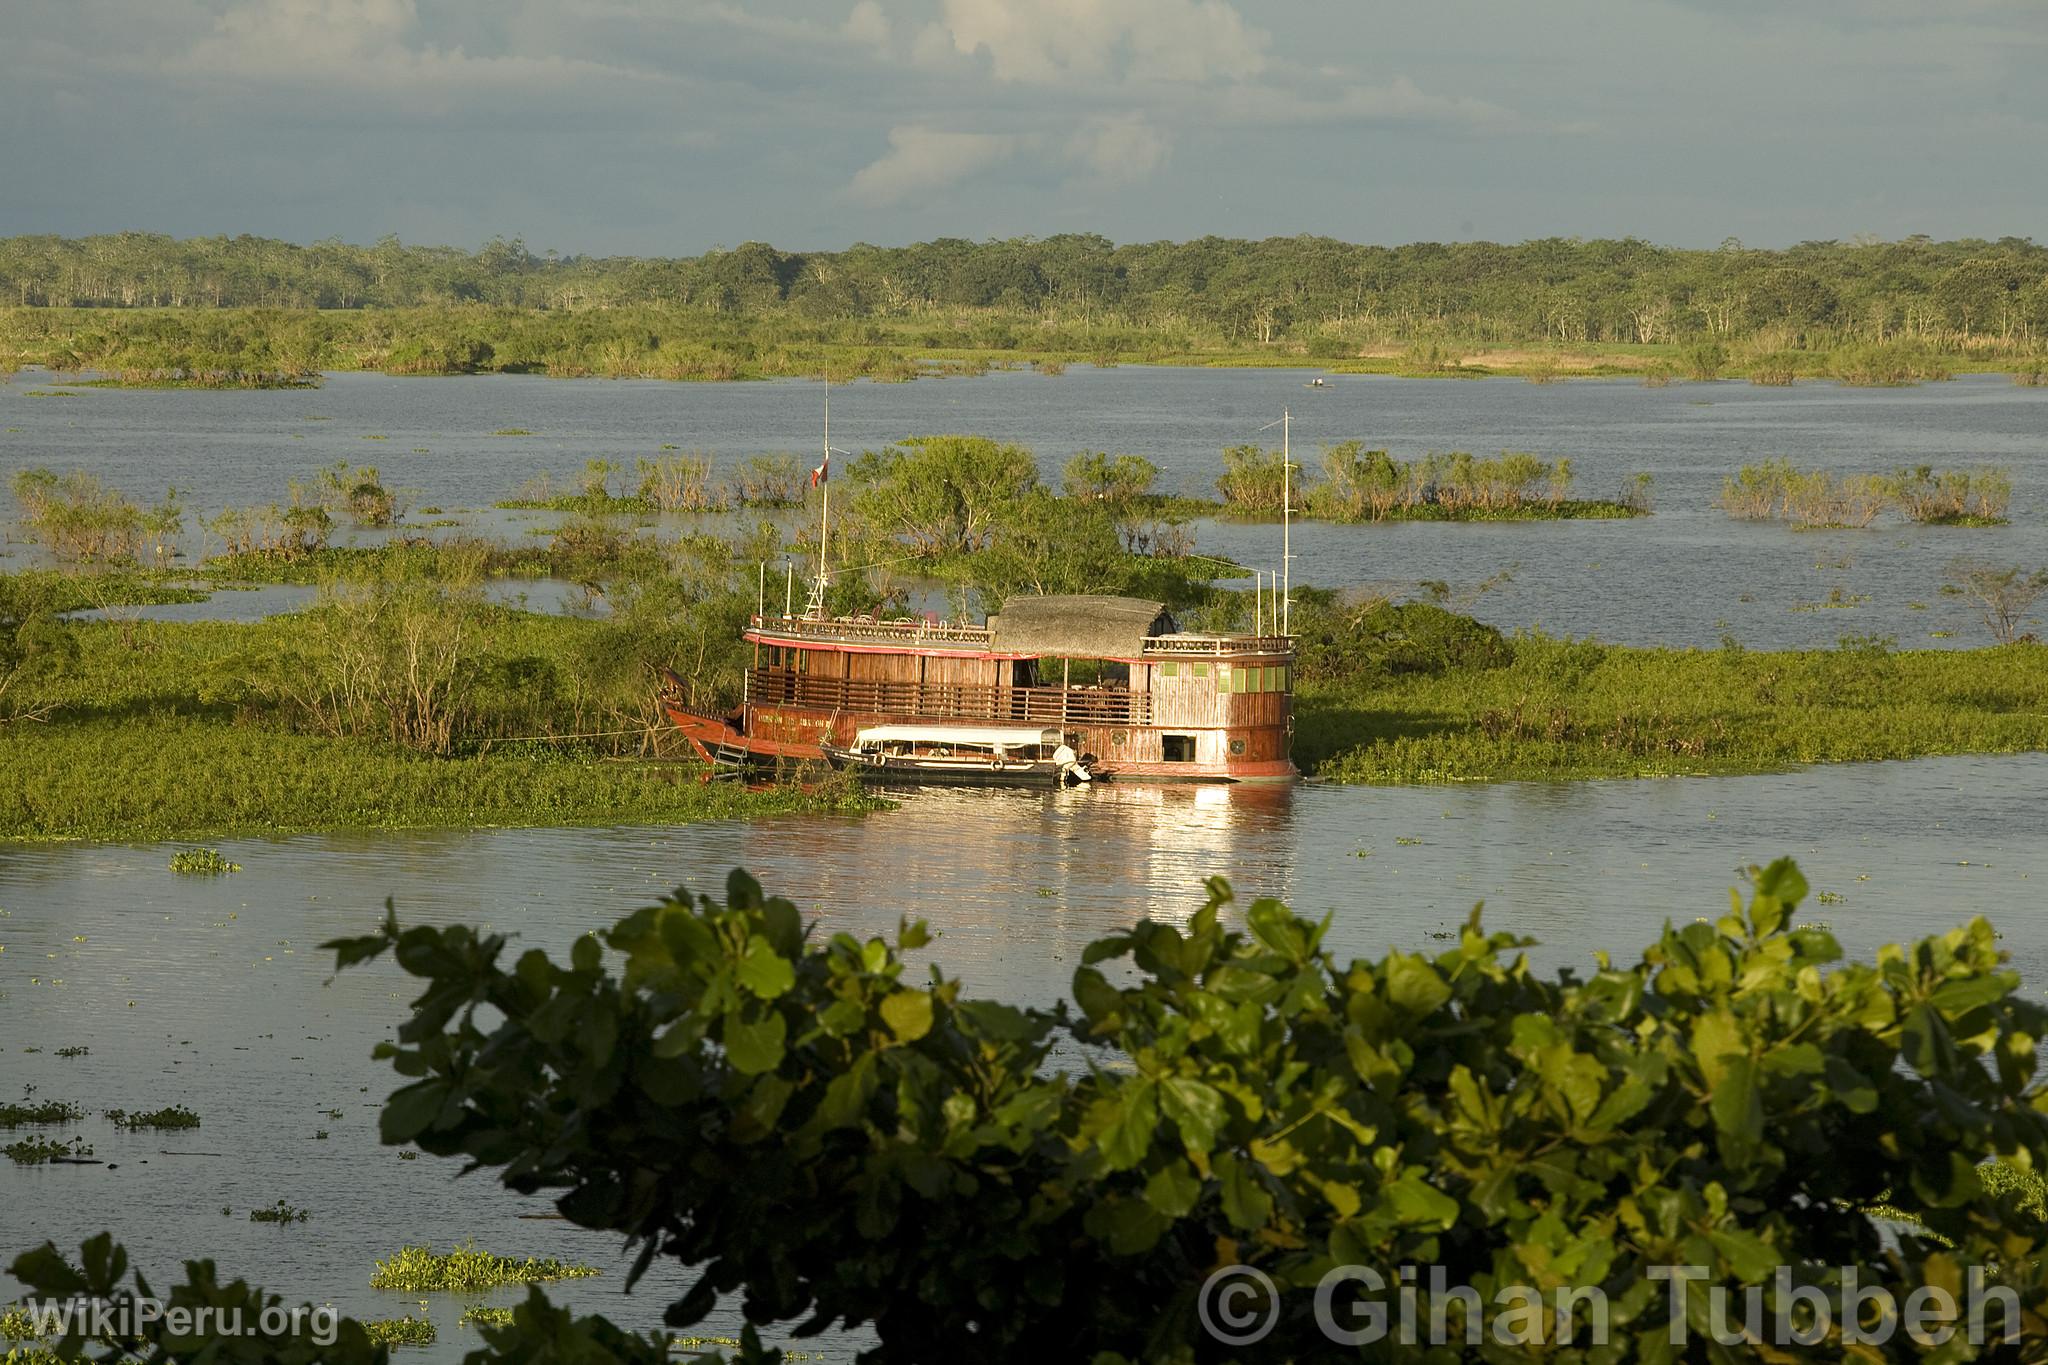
[(147, 309), (875, 1149), (404, 696)]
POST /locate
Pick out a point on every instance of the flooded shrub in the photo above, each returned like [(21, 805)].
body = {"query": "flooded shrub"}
[(1704, 360), (1886, 366), (1821, 498), (358, 494), (770, 481), (1254, 479), (79, 519), (282, 534), (1340, 641), (1952, 497), (1098, 476), (1775, 369), (680, 483), (2002, 593), (467, 1267)]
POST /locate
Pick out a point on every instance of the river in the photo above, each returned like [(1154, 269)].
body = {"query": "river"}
[(209, 992), (1687, 576)]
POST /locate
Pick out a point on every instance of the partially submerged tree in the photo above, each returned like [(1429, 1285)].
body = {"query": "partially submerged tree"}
[(2002, 593)]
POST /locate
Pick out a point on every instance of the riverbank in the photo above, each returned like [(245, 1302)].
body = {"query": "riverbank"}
[(258, 348)]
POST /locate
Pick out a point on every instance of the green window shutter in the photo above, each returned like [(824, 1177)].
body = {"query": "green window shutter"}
[(1169, 670)]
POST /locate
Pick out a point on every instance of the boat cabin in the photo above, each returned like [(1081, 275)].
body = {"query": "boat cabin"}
[(1134, 694)]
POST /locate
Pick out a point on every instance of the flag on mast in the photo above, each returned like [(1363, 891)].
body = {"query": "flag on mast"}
[(823, 471)]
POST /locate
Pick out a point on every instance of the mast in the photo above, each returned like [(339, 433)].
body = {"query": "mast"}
[(1286, 521), (825, 512), (822, 477)]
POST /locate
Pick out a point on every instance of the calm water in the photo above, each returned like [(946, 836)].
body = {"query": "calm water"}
[(209, 992), (1686, 576)]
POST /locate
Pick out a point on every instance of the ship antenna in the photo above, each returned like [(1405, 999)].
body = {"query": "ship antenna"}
[(1283, 614), (1286, 522), (821, 477)]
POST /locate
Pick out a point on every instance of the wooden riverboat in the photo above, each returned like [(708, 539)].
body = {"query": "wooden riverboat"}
[(1137, 697)]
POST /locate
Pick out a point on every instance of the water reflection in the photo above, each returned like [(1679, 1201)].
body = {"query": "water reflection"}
[(211, 992)]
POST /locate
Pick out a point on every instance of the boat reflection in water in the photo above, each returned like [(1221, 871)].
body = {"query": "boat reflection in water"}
[(1017, 881)]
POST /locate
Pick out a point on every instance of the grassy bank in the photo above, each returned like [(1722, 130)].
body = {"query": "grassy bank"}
[(190, 778), (1545, 709)]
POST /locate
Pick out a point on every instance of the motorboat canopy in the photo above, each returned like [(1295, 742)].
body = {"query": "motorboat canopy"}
[(991, 736)]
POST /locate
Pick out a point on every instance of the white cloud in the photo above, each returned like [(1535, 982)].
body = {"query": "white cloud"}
[(921, 158), (1049, 42), (375, 44), (1119, 148)]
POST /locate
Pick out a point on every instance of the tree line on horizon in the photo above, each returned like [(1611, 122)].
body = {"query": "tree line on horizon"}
[(1316, 294)]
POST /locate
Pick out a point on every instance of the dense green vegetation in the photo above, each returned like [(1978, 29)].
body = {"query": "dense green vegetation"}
[(873, 1148), (1822, 498), (153, 309), (1413, 693), (466, 1268)]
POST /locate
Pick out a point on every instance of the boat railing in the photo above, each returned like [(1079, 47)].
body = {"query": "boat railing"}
[(907, 632), (1211, 645), (1041, 705)]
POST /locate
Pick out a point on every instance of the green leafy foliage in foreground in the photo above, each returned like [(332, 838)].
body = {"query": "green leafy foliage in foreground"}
[(468, 1267), (869, 1148)]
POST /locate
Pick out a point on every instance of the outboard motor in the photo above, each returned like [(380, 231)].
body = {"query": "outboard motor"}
[(1071, 769)]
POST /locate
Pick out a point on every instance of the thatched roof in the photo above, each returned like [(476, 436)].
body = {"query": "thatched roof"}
[(1079, 627)]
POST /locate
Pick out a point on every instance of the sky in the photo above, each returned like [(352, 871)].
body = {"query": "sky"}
[(665, 127)]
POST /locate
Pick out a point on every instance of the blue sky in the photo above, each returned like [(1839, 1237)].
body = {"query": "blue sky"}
[(667, 126)]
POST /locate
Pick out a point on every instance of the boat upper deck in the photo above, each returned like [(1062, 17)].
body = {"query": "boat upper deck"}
[(924, 635)]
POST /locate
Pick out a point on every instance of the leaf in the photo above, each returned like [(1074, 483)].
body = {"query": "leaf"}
[(1751, 1258), (1246, 1202), (1738, 1109), (1414, 984), (1416, 1202), (412, 1110), (1126, 1141), (1197, 1109), (757, 1045), (1173, 1188), (908, 1014), (764, 971)]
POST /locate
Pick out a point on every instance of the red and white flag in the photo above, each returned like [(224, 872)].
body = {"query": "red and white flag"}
[(822, 472)]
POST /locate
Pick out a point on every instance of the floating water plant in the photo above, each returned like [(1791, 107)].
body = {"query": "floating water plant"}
[(467, 1267), (280, 1212), (176, 1116), (34, 1151), (202, 862), (49, 1111), (405, 1331), (481, 1315)]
